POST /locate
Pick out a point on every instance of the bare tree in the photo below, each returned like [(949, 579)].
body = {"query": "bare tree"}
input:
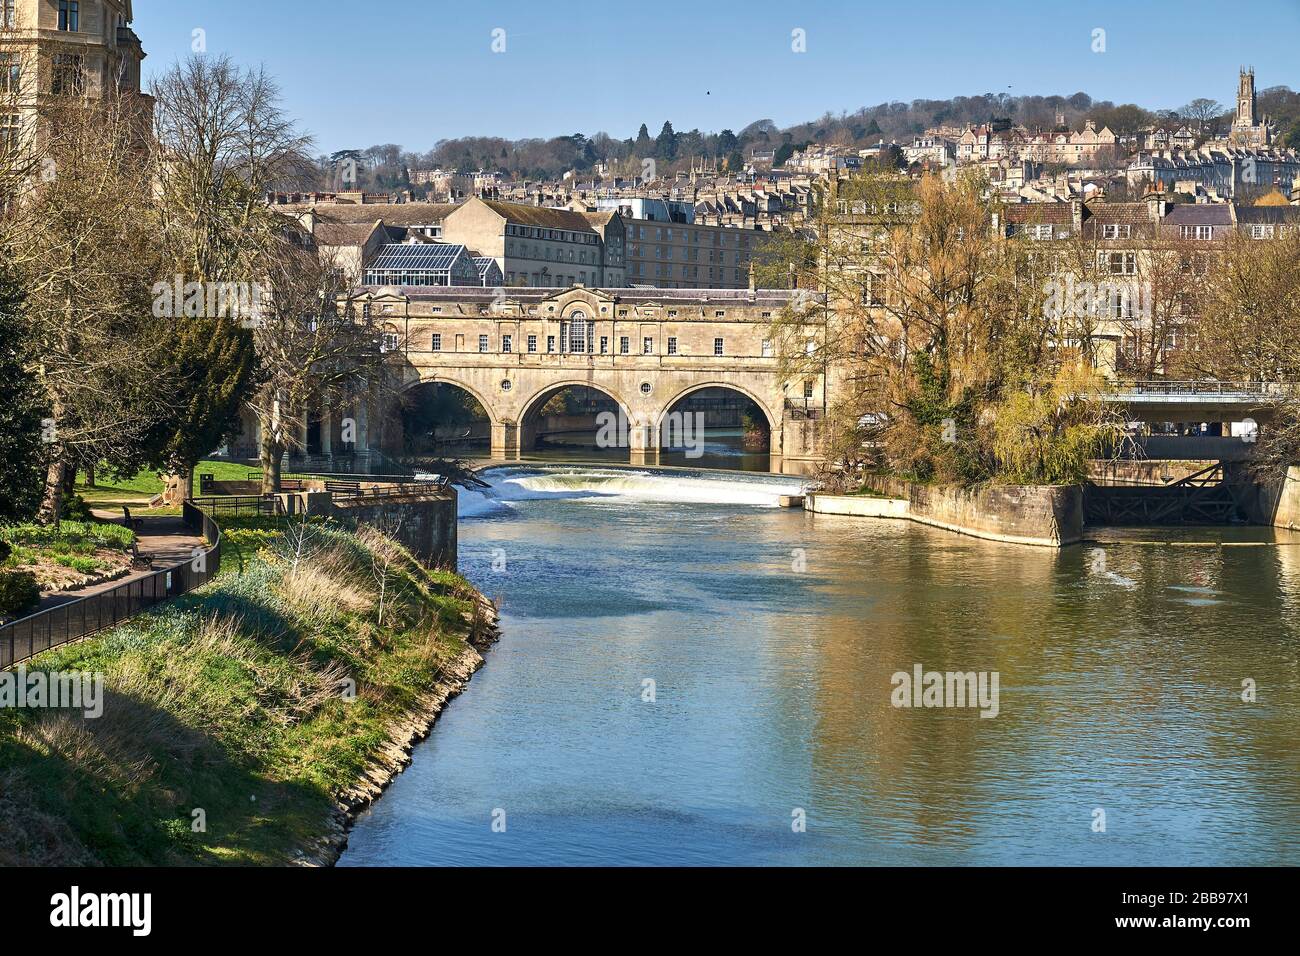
[(224, 142), (84, 246), (314, 344)]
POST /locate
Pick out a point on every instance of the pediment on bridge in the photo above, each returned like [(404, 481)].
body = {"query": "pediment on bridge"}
[(596, 302), (562, 298)]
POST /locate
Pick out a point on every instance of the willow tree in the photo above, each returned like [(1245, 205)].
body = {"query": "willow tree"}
[(936, 324)]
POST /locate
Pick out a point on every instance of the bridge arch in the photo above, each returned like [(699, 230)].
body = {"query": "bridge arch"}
[(773, 422), (435, 378), (542, 395)]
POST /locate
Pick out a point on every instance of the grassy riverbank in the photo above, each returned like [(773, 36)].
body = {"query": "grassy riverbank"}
[(235, 702)]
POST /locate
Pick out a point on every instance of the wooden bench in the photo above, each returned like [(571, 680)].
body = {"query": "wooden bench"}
[(135, 524)]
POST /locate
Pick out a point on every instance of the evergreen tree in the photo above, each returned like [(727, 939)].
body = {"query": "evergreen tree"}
[(22, 410), (666, 143), (212, 365), (644, 144)]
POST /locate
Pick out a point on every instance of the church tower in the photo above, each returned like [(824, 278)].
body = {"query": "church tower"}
[(1249, 129), (1246, 99)]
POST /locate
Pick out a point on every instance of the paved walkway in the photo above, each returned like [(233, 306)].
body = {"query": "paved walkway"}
[(164, 539)]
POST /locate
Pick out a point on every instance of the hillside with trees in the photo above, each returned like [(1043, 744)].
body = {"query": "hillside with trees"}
[(388, 166)]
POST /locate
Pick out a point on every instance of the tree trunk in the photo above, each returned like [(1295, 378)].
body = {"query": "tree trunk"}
[(90, 476), (52, 504), (271, 454)]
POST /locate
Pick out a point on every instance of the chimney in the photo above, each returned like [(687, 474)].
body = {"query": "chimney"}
[(1076, 216)]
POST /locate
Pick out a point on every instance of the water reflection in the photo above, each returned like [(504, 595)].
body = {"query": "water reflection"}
[(772, 693)]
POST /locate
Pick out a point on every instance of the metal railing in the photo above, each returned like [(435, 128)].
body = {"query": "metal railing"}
[(23, 639), (241, 505), (1253, 389)]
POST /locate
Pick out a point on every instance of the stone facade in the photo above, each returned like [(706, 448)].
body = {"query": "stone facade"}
[(644, 348), (51, 49)]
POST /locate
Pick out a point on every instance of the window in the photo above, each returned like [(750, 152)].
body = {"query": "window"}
[(1260, 231), (68, 77), (578, 333), (717, 347), (532, 343), (482, 343), (550, 343), (7, 14), (1118, 263), (69, 15), (10, 129), (435, 342), (1116, 231), (672, 345), (1196, 232), (10, 73), (767, 348), (624, 345), (807, 388), (505, 343), (388, 342), (647, 346), (604, 345)]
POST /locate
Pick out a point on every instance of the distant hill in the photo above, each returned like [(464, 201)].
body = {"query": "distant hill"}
[(387, 166)]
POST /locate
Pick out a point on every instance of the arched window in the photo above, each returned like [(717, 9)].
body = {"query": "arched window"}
[(578, 335)]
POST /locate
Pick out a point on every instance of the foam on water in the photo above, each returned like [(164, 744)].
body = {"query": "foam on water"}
[(595, 483)]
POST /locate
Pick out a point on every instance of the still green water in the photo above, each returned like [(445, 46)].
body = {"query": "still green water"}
[(771, 637)]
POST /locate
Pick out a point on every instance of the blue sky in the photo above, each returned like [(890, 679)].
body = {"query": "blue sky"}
[(413, 72)]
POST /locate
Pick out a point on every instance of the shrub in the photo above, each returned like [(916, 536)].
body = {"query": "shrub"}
[(18, 592), (70, 534)]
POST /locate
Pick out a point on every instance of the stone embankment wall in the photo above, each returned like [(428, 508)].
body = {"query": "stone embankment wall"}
[(1045, 516), (424, 522), (1275, 503)]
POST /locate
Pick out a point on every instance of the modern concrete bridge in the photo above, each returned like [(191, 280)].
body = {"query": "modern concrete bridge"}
[(1189, 401)]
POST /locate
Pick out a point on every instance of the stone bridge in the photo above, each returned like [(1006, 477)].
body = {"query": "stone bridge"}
[(646, 349)]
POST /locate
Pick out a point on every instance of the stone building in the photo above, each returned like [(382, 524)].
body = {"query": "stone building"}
[(63, 48), (539, 246), (1249, 130)]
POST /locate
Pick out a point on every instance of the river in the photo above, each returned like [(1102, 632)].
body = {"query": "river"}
[(769, 735)]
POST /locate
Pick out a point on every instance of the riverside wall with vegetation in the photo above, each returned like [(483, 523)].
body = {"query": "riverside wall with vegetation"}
[(248, 722), (1275, 502), (1041, 515)]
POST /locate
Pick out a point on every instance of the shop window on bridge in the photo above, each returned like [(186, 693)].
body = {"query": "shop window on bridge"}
[(482, 343), (435, 342), (505, 343), (672, 345), (532, 343), (624, 345)]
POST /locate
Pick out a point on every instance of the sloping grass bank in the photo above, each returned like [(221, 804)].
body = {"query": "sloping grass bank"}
[(231, 732)]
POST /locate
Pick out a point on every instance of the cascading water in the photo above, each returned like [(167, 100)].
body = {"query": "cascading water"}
[(512, 484)]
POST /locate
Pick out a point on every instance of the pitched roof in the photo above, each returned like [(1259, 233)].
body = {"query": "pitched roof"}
[(542, 216), (1199, 214)]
